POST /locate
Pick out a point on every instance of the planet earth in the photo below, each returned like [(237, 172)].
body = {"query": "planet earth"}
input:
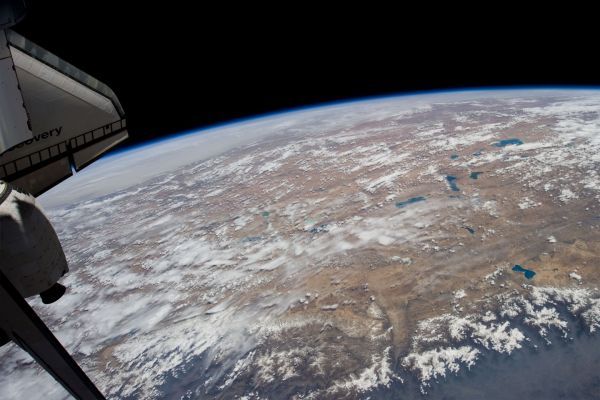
[(426, 246)]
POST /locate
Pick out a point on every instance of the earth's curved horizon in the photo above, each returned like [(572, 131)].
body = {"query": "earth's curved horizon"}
[(431, 245)]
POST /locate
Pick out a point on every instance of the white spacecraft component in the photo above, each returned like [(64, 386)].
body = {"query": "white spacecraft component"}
[(31, 254), (54, 117)]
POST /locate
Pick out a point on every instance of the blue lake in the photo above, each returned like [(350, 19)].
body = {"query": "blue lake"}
[(454, 156), (507, 142), (527, 272), (452, 182), (412, 200), (475, 175), (471, 230)]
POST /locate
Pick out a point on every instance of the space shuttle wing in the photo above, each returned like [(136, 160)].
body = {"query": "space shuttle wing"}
[(72, 117), (20, 323)]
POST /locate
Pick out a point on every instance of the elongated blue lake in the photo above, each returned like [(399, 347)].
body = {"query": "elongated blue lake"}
[(452, 182), (527, 272), (475, 175), (508, 142), (412, 200)]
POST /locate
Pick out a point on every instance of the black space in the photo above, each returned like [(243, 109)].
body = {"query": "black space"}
[(178, 66)]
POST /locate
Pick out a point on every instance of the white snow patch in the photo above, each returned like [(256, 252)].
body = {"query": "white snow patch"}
[(528, 203), (575, 275), (544, 319), (378, 374), (435, 363), (567, 195)]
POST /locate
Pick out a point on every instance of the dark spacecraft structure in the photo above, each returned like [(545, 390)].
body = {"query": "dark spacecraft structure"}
[(54, 120)]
